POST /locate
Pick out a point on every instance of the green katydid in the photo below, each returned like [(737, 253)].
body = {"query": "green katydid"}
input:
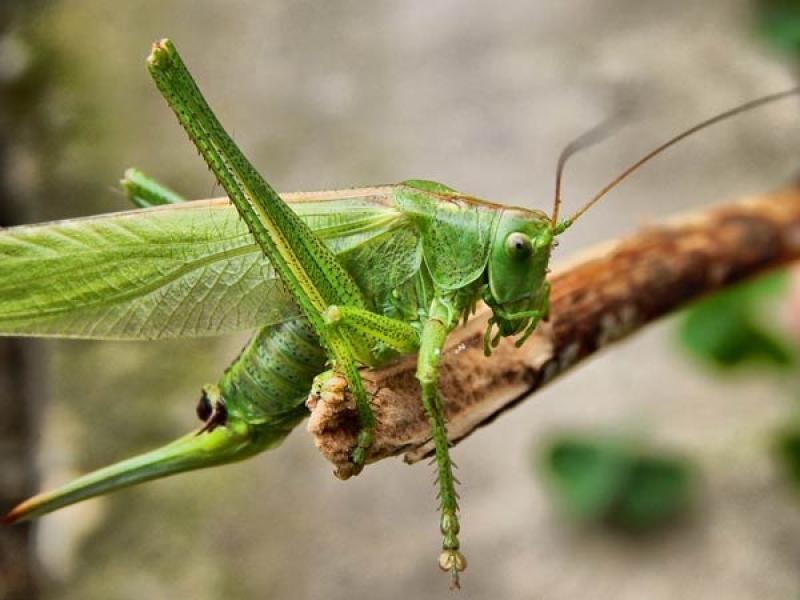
[(340, 280)]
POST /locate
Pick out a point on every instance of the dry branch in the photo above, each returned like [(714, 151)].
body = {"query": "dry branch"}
[(609, 293)]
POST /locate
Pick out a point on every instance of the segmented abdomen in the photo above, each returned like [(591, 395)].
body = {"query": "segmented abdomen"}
[(272, 376)]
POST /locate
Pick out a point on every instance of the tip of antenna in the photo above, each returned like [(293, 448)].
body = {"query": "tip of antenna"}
[(595, 135), (736, 110)]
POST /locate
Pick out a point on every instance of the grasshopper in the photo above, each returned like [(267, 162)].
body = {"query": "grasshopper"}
[(333, 282)]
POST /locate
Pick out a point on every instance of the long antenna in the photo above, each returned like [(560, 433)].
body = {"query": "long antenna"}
[(594, 136), (655, 152)]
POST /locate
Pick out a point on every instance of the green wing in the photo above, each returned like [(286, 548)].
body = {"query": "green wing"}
[(186, 270)]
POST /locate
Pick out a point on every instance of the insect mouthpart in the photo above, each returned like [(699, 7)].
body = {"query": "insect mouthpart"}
[(509, 319)]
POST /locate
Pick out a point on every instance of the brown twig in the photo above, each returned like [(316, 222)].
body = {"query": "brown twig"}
[(600, 298)]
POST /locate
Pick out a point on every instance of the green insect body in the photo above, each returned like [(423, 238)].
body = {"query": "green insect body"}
[(270, 380), (337, 280), (262, 394)]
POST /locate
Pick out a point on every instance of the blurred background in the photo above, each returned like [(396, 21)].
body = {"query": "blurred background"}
[(481, 97)]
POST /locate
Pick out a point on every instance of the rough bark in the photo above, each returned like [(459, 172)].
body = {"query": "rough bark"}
[(605, 295)]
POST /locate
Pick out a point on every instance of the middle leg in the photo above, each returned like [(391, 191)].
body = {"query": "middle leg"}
[(434, 335)]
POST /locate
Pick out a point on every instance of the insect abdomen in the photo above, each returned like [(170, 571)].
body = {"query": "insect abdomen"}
[(272, 376)]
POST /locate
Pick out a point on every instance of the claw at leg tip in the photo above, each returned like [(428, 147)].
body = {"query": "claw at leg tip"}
[(343, 473), (346, 471), (454, 562)]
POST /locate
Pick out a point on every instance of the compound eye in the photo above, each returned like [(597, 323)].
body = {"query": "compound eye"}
[(204, 408), (518, 246)]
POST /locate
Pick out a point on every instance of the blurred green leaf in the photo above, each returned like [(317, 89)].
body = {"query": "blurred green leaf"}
[(586, 475), (728, 329), (613, 482), (787, 452), (779, 23), (657, 489)]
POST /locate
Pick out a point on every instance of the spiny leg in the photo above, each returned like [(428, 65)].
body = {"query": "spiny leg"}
[(434, 335), (308, 268), (375, 328)]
